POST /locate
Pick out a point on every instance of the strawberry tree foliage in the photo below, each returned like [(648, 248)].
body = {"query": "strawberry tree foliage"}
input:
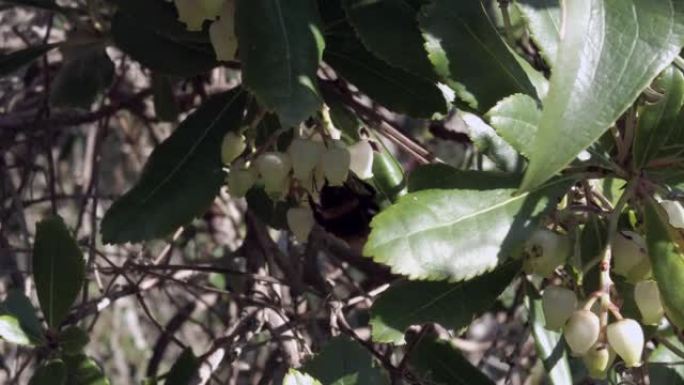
[(570, 201)]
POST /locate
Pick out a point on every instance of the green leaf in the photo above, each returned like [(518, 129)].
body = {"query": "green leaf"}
[(344, 362), (442, 176), (184, 369), (438, 234), (52, 372), (294, 377), (394, 88), (13, 61), (515, 119), (388, 28), (611, 50), (489, 143), (453, 305), (440, 363), (72, 340), (165, 106), (83, 370), (343, 118), (58, 269), (18, 306), (82, 77), (659, 121), (470, 55), (148, 31), (181, 178), (280, 49), (664, 366), (543, 18), (667, 260), (11, 330), (549, 344)]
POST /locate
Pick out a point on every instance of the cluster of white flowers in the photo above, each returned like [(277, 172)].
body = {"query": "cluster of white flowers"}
[(308, 164), (221, 13)]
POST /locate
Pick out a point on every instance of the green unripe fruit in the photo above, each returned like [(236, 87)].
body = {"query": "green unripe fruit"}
[(545, 251), (232, 147), (274, 168), (240, 180), (647, 298), (335, 164), (675, 213), (627, 339), (582, 331), (361, 159), (300, 220), (558, 303), (629, 256), (305, 155), (598, 360)]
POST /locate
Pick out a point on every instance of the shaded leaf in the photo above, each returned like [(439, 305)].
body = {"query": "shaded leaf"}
[(165, 106), (442, 176), (184, 369), (52, 372), (72, 340), (148, 31), (470, 55), (664, 366), (82, 77), (181, 177), (453, 305), (549, 344), (83, 370), (392, 87), (543, 18), (437, 234), (389, 29), (17, 305), (515, 119), (280, 50), (58, 269), (667, 260), (659, 121), (13, 61), (611, 50), (440, 363), (344, 362)]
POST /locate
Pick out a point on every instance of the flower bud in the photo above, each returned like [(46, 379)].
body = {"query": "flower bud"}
[(558, 303), (240, 180), (647, 298), (274, 168), (598, 360), (627, 339), (675, 213), (300, 220), (193, 12), (545, 251), (361, 159), (222, 33), (582, 331), (629, 256), (305, 155), (335, 165), (232, 147)]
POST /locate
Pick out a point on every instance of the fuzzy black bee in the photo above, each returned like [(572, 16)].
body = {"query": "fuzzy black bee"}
[(346, 211)]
